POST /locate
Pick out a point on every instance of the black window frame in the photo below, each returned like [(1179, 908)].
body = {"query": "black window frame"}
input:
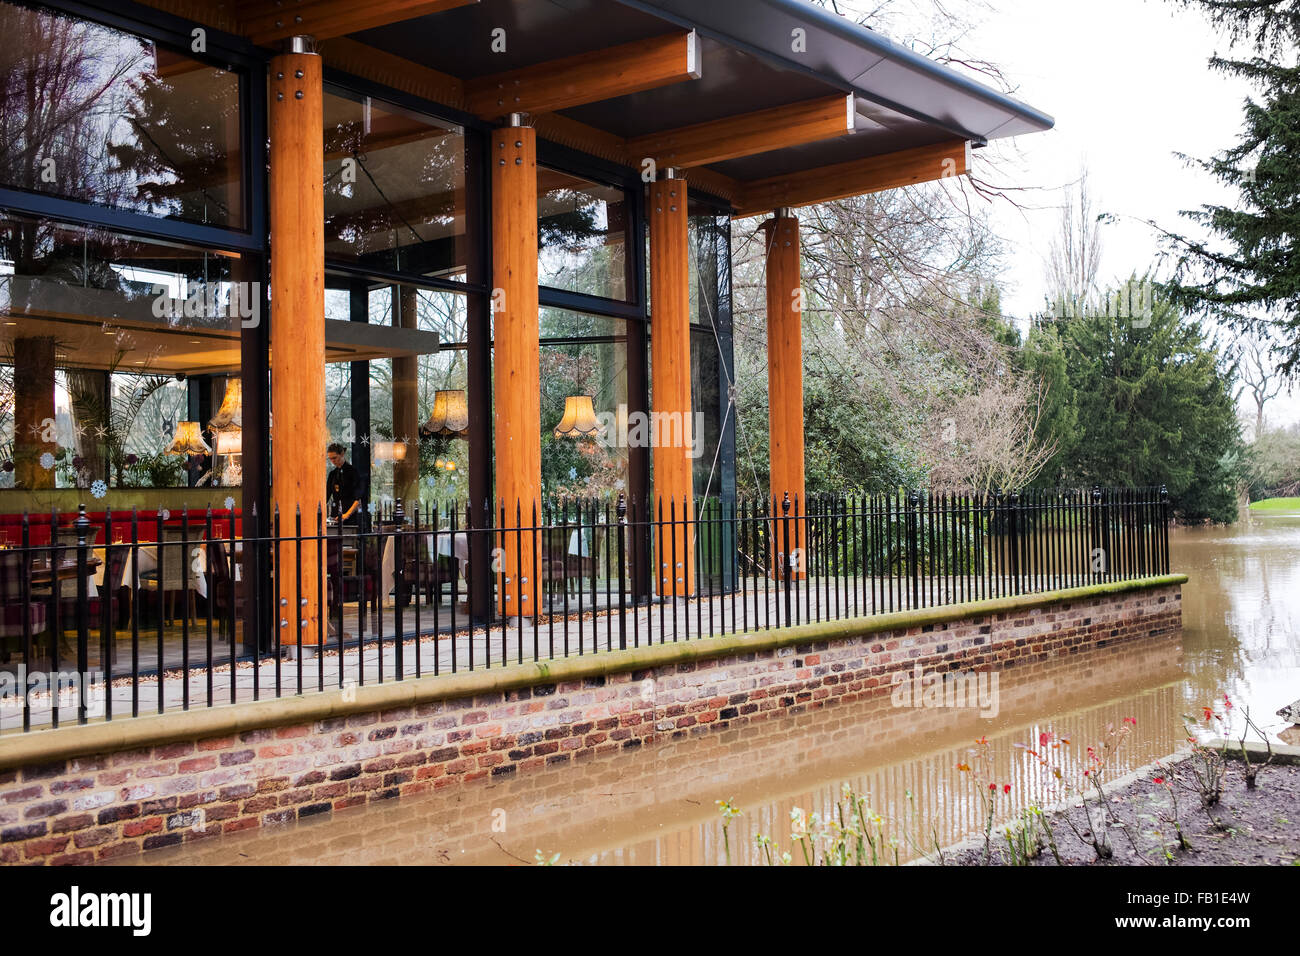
[(224, 51)]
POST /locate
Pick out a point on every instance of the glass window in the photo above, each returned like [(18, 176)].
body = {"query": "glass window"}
[(584, 357), (119, 357), (395, 189), (708, 260), (391, 349), (90, 113), (582, 234)]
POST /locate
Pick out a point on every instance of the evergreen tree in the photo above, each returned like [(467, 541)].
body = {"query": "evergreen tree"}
[(1249, 272), (1152, 406), (1043, 357)]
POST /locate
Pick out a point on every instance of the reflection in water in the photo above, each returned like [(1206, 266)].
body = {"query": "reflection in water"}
[(656, 805), (1240, 610)]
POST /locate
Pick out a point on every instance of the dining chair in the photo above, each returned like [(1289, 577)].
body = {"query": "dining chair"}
[(15, 614), (179, 573)]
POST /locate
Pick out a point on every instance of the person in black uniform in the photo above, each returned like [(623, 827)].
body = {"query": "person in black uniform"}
[(343, 501), (342, 486)]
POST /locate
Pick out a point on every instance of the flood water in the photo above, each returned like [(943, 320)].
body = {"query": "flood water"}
[(657, 805)]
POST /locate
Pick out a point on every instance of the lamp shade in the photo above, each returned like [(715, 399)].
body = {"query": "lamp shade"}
[(230, 442), (390, 451), (188, 440), (579, 419), (450, 415), (231, 412)]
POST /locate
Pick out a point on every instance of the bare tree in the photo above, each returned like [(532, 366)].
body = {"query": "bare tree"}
[(898, 322), (988, 441), (1074, 253), (1259, 377)]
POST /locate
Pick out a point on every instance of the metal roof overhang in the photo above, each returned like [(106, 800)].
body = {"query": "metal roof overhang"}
[(747, 63)]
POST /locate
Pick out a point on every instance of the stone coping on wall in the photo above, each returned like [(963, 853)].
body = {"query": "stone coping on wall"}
[(44, 746)]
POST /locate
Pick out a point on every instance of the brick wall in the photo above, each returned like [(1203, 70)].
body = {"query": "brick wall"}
[(106, 806)]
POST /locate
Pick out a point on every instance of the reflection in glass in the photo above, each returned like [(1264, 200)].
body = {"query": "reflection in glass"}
[(584, 355), (392, 350), (395, 194), (708, 239), (582, 232), (107, 344), (94, 114)]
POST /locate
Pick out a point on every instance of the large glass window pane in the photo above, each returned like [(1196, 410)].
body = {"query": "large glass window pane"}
[(120, 367), (582, 231), (395, 189), (90, 113), (391, 349), (584, 357), (708, 240)]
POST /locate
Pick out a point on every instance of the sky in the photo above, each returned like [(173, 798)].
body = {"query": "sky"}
[(1129, 86)]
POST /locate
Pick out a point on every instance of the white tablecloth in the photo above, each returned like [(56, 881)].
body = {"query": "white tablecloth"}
[(580, 544), (198, 558)]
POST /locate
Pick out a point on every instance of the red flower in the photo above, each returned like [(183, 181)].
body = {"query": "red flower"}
[(1131, 720), (993, 786), (1043, 738), (1227, 703), (1157, 779), (1006, 788)]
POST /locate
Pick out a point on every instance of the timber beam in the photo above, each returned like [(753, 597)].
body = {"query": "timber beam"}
[(266, 22), (747, 134), (854, 178), (586, 77)]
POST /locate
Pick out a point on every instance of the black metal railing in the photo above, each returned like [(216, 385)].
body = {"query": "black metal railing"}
[(311, 603)]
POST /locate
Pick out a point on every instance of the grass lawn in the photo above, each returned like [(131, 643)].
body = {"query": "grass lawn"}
[(1277, 505)]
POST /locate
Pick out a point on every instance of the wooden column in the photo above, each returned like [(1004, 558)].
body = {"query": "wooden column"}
[(785, 362), (406, 402), (670, 386), (516, 362), (33, 411), (299, 435)]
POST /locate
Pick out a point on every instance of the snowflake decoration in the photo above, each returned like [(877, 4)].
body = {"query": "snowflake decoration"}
[(573, 474), (47, 461), (98, 489), (431, 481), (230, 504), (365, 440)]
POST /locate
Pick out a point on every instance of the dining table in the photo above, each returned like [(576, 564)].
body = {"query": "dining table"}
[(43, 574)]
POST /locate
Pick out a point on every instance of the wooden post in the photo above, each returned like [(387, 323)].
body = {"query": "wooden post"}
[(516, 362), (785, 364), (299, 435), (33, 411), (670, 386)]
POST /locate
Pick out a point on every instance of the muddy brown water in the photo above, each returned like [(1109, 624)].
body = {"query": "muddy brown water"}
[(657, 805)]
